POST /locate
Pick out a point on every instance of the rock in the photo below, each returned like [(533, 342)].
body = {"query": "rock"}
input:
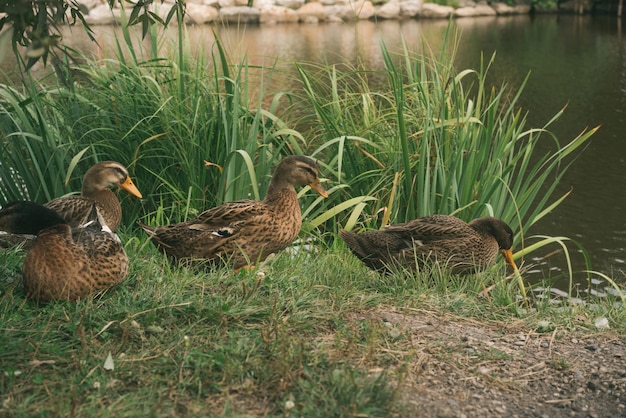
[(103, 15), (312, 10), (278, 14), (309, 20), (480, 9), (515, 9), (465, 12), (240, 14), (291, 4), (389, 10), (410, 8), (200, 14), (363, 9), (435, 11), (484, 10)]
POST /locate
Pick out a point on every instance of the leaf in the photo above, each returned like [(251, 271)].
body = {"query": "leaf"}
[(108, 363)]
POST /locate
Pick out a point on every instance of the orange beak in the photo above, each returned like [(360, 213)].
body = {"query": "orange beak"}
[(508, 256), (130, 187), (317, 186)]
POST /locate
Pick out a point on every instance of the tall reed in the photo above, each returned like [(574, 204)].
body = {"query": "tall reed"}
[(436, 140)]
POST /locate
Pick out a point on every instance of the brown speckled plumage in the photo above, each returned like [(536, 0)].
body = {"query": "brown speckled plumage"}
[(461, 247), (97, 182), (65, 263), (245, 232)]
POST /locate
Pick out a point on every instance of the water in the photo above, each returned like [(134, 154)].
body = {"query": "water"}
[(578, 61)]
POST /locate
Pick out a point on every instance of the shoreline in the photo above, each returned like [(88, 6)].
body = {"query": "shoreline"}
[(98, 12)]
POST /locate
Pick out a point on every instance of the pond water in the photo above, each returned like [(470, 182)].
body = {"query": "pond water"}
[(578, 61)]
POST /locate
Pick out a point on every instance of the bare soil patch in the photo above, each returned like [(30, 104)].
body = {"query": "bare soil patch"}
[(467, 368)]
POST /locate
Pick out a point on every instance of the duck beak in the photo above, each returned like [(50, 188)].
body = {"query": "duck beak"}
[(508, 256), (317, 186), (130, 187)]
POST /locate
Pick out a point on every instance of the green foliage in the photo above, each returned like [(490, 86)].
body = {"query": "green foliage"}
[(435, 140)]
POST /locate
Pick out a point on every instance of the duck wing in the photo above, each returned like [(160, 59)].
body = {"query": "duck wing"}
[(212, 234), (75, 210)]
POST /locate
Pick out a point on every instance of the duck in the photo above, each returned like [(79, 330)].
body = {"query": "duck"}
[(65, 262), (244, 232), (97, 182), (463, 248)]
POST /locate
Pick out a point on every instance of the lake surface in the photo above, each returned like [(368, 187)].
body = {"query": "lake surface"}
[(579, 61)]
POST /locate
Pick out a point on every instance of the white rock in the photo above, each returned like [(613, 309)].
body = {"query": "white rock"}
[(292, 4), (240, 14), (432, 10), (362, 9), (262, 4), (200, 14), (478, 10), (410, 8), (103, 15), (278, 14), (312, 10), (468, 11), (503, 8), (602, 323), (389, 10)]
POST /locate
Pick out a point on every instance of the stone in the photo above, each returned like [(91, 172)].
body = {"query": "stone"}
[(410, 8), (200, 14), (315, 9), (389, 10), (469, 11), (292, 4), (503, 8), (278, 14), (435, 11), (240, 14), (363, 9), (103, 15)]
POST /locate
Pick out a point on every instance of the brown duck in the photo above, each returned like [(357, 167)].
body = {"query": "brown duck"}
[(463, 248), (97, 181), (245, 232), (65, 263)]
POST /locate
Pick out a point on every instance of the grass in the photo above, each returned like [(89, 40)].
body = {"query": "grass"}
[(294, 338), (297, 337)]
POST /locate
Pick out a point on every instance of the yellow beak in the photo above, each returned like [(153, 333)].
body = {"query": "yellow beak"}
[(317, 186), (130, 187), (508, 256)]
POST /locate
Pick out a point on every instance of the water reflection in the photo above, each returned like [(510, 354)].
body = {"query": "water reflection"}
[(578, 61)]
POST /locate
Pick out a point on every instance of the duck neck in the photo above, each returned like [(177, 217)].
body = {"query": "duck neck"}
[(278, 193), (108, 205)]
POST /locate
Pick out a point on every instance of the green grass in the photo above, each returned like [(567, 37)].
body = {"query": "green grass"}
[(294, 340), (298, 337)]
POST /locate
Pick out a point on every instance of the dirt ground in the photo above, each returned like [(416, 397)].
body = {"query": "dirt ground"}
[(464, 368)]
